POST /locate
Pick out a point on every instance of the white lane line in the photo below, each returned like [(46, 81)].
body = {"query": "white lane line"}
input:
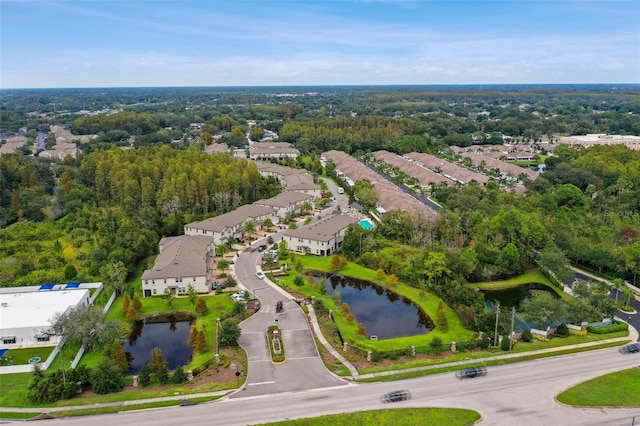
[(262, 383)]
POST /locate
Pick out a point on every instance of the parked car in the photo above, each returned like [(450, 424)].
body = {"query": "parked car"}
[(471, 372), (262, 247), (630, 348), (239, 297), (260, 275), (217, 286), (399, 395)]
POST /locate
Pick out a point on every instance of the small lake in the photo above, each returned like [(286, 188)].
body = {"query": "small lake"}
[(385, 314), (512, 297), (167, 332)]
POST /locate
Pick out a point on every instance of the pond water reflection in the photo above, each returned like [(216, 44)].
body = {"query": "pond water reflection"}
[(167, 332), (384, 313), (512, 297)]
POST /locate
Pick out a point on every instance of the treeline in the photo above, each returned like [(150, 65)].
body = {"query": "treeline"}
[(116, 206), (25, 188)]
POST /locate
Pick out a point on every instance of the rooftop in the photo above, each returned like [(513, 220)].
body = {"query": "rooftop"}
[(36, 308)]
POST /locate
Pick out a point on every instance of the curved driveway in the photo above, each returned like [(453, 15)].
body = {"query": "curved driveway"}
[(303, 368)]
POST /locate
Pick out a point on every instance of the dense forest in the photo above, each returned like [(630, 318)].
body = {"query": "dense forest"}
[(67, 219)]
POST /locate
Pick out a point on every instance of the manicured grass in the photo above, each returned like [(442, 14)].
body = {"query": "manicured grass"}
[(532, 276), (22, 356), (390, 417), (17, 416), (565, 341), (619, 389), (13, 389), (427, 301)]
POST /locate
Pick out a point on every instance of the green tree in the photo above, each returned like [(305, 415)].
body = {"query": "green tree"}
[(230, 332), (632, 259), (249, 228), (201, 342), (119, 356), (116, 275), (192, 294), (201, 306), (144, 375), (435, 266), (364, 192), (86, 325), (441, 317), (157, 362), (179, 376), (543, 309), (137, 304), (126, 302), (106, 378), (436, 345), (70, 272), (223, 265)]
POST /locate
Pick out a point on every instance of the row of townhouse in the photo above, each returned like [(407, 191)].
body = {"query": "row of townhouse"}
[(188, 259)]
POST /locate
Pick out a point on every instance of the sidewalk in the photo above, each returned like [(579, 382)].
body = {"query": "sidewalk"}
[(320, 336)]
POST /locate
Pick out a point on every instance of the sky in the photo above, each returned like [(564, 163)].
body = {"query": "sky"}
[(146, 43)]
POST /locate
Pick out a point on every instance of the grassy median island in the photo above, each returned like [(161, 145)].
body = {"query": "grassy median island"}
[(619, 389), (395, 417)]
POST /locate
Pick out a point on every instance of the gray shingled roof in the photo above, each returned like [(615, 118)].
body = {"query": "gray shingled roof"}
[(231, 219), (284, 199), (182, 256), (323, 230)]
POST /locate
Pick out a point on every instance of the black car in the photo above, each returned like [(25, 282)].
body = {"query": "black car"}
[(471, 372), (262, 247), (400, 395), (630, 348)]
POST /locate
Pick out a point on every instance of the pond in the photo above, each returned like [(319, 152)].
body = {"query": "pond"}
[(168, 332), (512, 297), (385, 314)]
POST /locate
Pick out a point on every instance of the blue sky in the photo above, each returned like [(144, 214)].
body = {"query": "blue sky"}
[(100, 43)]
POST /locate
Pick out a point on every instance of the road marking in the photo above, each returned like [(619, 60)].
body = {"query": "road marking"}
[(262, 383)]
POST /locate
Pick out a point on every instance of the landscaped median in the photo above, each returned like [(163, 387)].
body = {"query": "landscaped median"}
[(619, 389), (276, 345)]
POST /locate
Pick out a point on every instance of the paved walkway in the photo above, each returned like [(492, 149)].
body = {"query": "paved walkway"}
[(325, 343)]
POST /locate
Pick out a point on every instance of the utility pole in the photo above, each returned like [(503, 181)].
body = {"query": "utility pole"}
[(513, 317), (495, 334)]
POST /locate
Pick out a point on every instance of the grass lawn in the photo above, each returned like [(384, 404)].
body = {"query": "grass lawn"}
[(619, 389), (532, 276), (22, 356), (390, 417), (427, 301)]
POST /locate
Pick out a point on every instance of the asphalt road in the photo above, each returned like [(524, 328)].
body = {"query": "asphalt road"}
[(514, 394), (303, 368)]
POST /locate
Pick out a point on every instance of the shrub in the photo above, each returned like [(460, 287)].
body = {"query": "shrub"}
[(319, 307), (144, 375), (436, 345), (376, 356), (505, 344), (298, 280), (613, 328), (441, 317), (179, 376), (527, 336), (393, 355), (562, 330)]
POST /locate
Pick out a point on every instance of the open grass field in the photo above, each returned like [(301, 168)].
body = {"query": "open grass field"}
[(619, 389)]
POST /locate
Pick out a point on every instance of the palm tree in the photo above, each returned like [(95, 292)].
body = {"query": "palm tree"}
[(306, 207), (249, 227), (617, 285)]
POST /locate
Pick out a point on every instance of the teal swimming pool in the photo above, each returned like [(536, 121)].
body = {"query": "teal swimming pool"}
[(366, 224)]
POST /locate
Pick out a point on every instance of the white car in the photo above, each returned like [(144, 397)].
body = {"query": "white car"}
[(260, 275), (238, 297)]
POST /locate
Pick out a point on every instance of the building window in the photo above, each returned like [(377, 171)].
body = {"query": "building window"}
[(8, 340), (42, 338), (155, 291)]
